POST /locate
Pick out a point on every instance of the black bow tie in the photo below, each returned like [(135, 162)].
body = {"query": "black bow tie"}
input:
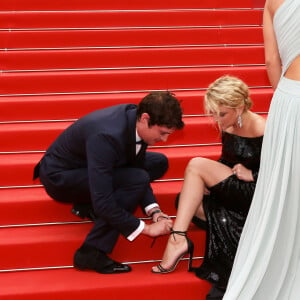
[(139, 142)]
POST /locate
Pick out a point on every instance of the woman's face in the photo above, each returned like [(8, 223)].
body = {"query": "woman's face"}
[(226, 117)]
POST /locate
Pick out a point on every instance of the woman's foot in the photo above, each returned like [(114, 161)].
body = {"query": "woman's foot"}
[(178, 245)]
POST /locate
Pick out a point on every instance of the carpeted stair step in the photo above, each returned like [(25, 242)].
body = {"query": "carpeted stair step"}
[(126, 18), (146, 79), (31, 205), (47, 39), (34, 5), (38, 136), (19, 167), (54, 245), (131, 58), (62, 107), (77, 285)]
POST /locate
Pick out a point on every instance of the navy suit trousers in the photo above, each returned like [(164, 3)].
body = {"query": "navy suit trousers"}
[(131, 186)]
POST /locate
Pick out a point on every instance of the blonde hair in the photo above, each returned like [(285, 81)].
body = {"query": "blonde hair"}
[(228, 91)]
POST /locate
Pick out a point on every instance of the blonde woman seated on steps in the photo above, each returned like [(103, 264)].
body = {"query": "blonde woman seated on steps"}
[(218, 194)]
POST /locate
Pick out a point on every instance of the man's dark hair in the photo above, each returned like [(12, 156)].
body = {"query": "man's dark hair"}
[(163, 108)]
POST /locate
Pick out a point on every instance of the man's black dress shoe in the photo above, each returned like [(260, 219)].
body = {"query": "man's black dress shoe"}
[(84, 210), (215, 293), (90, 258)]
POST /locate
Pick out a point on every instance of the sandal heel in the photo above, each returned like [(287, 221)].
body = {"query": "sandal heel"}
[(189, 251)]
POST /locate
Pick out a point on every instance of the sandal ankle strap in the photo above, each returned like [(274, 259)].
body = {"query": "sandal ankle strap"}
[(182, 233)]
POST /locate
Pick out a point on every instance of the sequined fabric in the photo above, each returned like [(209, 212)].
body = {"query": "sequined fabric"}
[(226, 208)]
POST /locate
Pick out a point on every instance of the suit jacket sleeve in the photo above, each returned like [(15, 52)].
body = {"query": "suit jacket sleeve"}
[(103, 152)]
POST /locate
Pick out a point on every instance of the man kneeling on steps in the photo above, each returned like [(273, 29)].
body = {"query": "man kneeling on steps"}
[(100, 164)]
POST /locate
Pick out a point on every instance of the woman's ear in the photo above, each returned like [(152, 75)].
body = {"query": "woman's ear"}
[(240, 110)]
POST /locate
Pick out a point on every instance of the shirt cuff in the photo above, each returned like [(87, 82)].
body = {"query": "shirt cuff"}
[(149, 207), (137, 232)]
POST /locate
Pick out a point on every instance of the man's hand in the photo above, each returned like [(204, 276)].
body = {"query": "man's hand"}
[(159, 228), (159, 217)]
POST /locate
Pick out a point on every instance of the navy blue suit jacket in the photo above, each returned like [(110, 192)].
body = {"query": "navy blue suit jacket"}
[(101, 141)]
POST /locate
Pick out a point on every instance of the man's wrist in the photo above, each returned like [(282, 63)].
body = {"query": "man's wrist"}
[(146, 230), (154, 211), (149, 208)]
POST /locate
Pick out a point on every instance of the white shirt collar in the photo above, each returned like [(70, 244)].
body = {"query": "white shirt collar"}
[(137, 137)]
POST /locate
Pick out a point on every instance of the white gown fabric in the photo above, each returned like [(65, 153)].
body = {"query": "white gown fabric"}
[(267, 263)]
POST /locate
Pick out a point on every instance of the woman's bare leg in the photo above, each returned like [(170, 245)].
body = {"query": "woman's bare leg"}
[(200, 173)]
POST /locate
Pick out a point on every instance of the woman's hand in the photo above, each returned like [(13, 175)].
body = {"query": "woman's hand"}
[(242, 173)]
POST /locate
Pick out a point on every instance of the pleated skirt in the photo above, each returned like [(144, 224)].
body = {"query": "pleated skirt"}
[(267, 263)]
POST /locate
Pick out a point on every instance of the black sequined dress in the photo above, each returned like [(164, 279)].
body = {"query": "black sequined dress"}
[(226, 208)]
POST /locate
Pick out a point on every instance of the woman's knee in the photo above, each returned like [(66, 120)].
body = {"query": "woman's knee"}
[(196, 165)]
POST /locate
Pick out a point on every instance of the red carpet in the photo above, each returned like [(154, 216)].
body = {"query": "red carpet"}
[(63, 59)]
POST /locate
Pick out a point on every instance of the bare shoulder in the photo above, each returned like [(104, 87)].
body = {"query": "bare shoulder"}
[(253, 125), (258, 124), (273, 5)]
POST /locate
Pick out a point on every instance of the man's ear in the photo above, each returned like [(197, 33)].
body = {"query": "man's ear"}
[(145, 118)]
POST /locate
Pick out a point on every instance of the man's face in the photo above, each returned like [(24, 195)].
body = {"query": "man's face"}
[(153, 134)]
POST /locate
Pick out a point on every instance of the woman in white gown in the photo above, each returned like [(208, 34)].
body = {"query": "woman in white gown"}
[(267, 264)]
